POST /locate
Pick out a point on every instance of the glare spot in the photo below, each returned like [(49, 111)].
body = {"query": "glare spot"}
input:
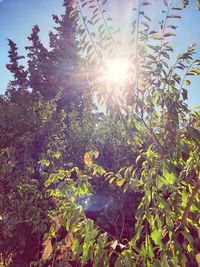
[(117, 70)]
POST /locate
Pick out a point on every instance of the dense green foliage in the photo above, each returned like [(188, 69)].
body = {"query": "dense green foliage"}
[(85, 188)]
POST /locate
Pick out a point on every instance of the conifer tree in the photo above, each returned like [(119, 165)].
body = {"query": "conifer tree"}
[(65, 59), (18, 71)]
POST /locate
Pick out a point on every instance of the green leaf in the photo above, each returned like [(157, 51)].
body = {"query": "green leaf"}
[(88, 246), (120, 182), (156, 236), (164, 262), (76, 248), (119, 262), (57, 155), (126, 254), (149, 248), (83, 188), (137, 233), (44, 162), (170, 178)]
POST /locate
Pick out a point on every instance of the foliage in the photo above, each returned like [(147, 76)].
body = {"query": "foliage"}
[(165, 173), (114, 189)]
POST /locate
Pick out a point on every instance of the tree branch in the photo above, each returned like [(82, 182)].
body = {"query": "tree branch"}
[(189, 204)]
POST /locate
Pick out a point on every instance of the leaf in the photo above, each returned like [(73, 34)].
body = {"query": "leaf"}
[(89, 48), (56, 220), (156, 236), (96, 154), (174, 16), (127, 258), (57, 155), (84, 4), (88, 246), (69, 239), (114, 244), (47, 250), (83, 189), (164, 262), (166, 3), (120, 182), (145, 3), (184, 94), (176, 8), (153, 32), (154, 47), (137, 233), (167, 34), (170, 178), (156, 37), (118, 262), (44, 162), (197, 257), (88, 159), (146, 17), (187, 82), (165, 54)]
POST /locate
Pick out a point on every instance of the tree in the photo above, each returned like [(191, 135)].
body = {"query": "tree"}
[(161, 130), (114, 189), (58, 69)]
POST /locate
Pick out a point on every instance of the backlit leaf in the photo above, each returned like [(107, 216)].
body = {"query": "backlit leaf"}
[(48, 249)]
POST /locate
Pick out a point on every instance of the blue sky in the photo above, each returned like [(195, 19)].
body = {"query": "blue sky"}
[(18, 16)]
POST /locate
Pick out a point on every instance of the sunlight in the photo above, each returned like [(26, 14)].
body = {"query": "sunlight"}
[(117, 70)]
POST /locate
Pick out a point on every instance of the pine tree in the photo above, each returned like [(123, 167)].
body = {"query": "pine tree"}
[(57, 69), (18, 71), (38, 66), (66, 60)]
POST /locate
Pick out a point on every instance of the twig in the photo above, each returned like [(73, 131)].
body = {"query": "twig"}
[(189, 204), (86, 27), (123, 224), (108, 30)]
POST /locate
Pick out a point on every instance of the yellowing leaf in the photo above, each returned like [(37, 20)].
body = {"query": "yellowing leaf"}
[(47, 250), (156, 37), (120, 182), (96, 154), (56, 220), (187, 82), (114, 244), (197, 257), (69, 239), (88, 159)]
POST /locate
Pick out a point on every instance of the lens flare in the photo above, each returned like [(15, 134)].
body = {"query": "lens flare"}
[(117, 70)]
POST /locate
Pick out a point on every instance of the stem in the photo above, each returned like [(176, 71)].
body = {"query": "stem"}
[(123, 120), (54, 255), (163, 33), (188, 69), (151, 132), (108, 29), (189, 204), (136, 48), (163, 30), (87, 29), (123, 224), (137, 31)]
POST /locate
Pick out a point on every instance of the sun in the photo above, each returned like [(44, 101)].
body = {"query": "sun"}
[(117, 70)]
